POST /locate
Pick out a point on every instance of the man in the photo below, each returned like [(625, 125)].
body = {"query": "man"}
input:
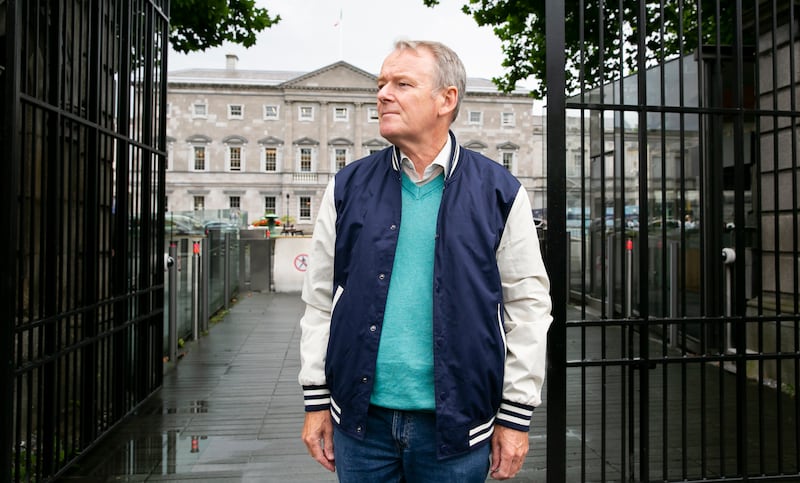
[(423, 340)]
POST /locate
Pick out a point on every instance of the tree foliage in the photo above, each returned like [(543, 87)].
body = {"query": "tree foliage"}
[(602, 36), (197, 25)]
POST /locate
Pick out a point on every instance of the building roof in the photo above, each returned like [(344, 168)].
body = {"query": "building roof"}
[(232, 76)]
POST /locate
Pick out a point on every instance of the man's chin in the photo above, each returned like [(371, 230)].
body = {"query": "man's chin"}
[(389, 134)]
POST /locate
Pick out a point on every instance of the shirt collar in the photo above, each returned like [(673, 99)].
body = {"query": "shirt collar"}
[(445, 161), (439, 164)]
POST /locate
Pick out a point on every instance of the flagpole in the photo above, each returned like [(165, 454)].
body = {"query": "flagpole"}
[(341, 37)]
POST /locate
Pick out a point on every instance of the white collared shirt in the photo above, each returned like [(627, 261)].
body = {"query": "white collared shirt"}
[(433, 170)]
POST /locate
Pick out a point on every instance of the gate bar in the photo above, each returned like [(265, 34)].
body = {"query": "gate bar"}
[(557, 231)]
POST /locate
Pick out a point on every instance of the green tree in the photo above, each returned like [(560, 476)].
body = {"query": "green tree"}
[(197, 25), (602, 36)]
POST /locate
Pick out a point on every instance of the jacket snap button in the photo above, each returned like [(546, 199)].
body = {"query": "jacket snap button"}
[(358, 429), (393, 227), (364, 380), (381, 276), (373, 328)]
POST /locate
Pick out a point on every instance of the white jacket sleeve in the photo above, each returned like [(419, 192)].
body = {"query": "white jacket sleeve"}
[(317, 294), (526, 298)]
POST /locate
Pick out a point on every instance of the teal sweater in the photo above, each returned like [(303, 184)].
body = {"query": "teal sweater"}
[(404, 373)]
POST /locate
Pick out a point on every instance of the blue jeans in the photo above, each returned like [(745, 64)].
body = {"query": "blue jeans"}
[(400, 446)]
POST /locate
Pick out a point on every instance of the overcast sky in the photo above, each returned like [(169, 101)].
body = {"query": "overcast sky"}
[(310, 35)]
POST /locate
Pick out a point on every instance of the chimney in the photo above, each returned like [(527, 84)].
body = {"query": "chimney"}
[(230, 61)]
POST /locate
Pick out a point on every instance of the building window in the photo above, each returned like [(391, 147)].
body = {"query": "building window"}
[(305, 208), (306, 113), (340, 158), (199, 158), (340, 114), (508, 161), (305, 160), (270, 159), (235, 111), (270, 205), (199, 203), (507, 119), (372, 114), (234, 202), (270, 112), (375, 150), (475, 117), (199, 109), (235, 155)]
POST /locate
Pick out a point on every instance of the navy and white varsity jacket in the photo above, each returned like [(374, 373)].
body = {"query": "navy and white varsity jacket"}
[(491, 303)]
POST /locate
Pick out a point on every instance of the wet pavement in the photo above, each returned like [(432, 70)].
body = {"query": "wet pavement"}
[(231, 410)]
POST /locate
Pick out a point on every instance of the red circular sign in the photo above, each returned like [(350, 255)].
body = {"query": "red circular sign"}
[(301, 262)]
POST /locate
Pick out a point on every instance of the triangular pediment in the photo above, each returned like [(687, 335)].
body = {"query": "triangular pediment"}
[(507, 146), (335, 76), (375, 143)]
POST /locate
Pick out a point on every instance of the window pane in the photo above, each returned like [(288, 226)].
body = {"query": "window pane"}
[(269, 204), (372, 114), (199, 203), (270, 159), (305, 160), (508, 160), (236, 158), (235, 110), (200, 158), (234, 201), (270, 112), (305, 207), (341, 158)]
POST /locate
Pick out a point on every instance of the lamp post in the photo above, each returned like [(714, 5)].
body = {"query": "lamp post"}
[(286, 223)]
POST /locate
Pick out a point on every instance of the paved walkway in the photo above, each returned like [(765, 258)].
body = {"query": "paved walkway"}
[(231, 410)]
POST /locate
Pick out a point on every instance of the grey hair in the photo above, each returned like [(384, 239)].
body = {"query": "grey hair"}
[(449, 69)]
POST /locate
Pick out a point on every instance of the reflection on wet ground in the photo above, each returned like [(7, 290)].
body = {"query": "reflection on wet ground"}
[(231, 410)]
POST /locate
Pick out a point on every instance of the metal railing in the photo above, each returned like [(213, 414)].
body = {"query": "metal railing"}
[(203, 278), (687, 363), (83, 95)]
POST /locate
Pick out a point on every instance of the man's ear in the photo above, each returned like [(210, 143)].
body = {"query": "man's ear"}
[(449, 101)]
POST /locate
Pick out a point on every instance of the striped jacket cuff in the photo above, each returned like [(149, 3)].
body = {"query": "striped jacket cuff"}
[(515, 416), (317, 398)]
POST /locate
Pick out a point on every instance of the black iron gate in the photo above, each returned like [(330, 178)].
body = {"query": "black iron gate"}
[(83, 86), (673, 177)]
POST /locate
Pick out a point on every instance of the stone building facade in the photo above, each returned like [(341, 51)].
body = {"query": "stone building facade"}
[(260, 142)]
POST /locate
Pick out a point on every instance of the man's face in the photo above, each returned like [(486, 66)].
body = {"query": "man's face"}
[(408, 104)]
